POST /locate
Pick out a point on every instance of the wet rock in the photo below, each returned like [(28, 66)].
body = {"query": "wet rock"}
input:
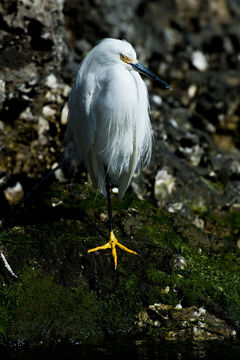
[(64, 114), (14, 194), (2, 91), (165, 290), (194, 153), (192, 91), (197, 55), (199, 223), (175, 207), (49, 112), (199, 61), (164, 184), (31, 47), (187, 323), (59, 281), (43, 125), (157, 100), (51, 81), (178, 262), (195, 162)]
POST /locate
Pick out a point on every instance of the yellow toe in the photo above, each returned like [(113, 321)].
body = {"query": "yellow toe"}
[(111, 244), (103, 247)]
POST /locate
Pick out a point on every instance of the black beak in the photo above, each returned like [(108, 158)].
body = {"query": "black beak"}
[(143, 70)]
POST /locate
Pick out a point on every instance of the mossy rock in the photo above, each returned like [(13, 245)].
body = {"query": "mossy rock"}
[(64, 293)]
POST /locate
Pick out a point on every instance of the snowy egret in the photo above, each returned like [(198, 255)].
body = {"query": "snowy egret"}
[(108, 125)]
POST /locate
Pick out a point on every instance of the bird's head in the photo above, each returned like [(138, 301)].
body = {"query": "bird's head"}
[(121, 52)]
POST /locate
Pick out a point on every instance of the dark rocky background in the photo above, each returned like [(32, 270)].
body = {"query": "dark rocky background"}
[(195, 46)]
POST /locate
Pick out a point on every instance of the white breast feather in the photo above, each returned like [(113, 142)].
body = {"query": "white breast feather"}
[(109, 124)]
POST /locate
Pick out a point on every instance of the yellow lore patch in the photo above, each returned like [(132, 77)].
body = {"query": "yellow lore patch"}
[(127, 60)]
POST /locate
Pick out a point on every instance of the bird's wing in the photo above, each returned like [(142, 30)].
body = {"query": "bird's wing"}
[(81, 122), (126, 177), (108, 123)]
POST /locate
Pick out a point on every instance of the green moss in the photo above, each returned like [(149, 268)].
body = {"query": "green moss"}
[(229, 220), (209, 280), (63, 292), (198, 207), (40, 309)]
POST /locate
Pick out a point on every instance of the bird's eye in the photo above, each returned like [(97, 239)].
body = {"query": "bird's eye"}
[(124, 58)]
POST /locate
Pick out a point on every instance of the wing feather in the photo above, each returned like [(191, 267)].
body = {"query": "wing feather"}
[(108, 125)]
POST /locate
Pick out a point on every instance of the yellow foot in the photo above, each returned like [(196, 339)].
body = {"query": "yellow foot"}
[(111, 244)]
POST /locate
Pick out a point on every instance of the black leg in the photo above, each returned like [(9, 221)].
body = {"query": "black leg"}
[(113, 242), (108, 188)]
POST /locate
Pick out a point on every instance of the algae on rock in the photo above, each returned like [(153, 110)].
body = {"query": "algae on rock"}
[(64, 293)]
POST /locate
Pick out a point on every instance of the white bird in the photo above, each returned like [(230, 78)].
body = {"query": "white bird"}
[(108, 125)]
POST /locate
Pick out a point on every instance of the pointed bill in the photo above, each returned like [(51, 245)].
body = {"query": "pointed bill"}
[(143, 70)]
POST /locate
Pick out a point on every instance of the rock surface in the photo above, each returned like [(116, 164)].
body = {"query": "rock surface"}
[(182, 285), (61, 292), (32, 93), (188, 323)]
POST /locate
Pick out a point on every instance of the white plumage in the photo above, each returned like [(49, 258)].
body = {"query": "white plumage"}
[(108, 125)]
